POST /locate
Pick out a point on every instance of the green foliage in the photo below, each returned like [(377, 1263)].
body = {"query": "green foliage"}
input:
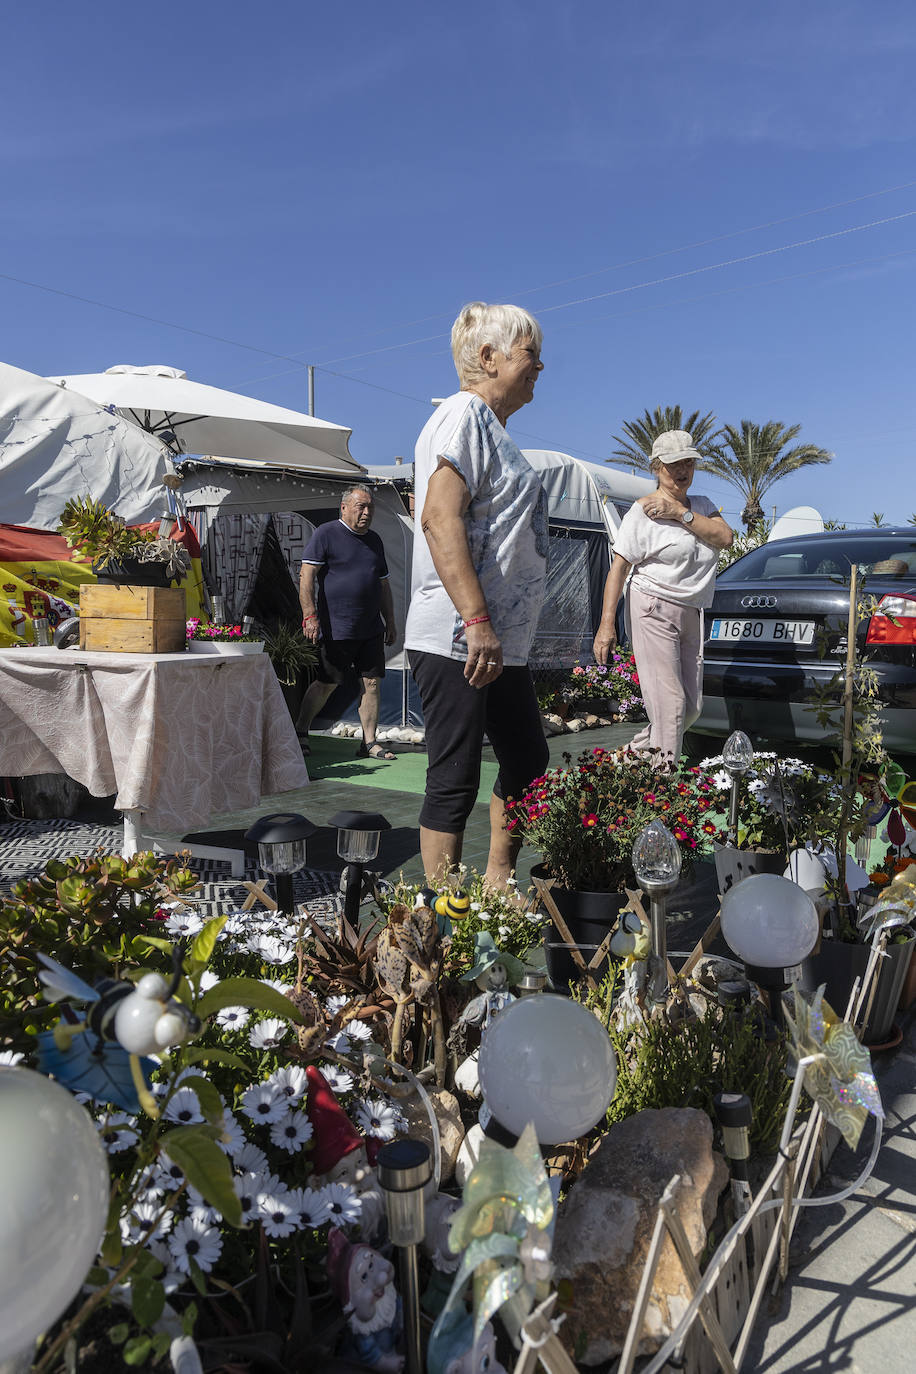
[(194, 1150), (585, 816), (247, 992), (782, 802), (290, 653), (97, 916), (659, 1065), (754, 457), (635, 445), (97, 534)]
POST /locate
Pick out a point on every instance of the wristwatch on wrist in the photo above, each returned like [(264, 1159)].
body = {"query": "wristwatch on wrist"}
[(687, 517)]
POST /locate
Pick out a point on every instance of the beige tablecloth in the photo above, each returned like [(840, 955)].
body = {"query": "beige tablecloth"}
[(179, 737)]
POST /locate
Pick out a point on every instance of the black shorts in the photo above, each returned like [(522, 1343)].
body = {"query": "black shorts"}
[(336, 657), (456, 717)]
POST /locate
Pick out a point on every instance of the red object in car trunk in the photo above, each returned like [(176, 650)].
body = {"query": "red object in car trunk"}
[(894, 621)]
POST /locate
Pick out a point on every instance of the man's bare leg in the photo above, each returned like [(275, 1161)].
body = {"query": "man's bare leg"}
[(504, 848), (440, 851), (312, 703), (367, 707)]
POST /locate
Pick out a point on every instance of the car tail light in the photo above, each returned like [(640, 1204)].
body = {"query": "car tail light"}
[(894, 621)]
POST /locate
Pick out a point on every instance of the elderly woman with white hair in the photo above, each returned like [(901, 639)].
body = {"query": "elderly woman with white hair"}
[(670, 543), (479, 571)]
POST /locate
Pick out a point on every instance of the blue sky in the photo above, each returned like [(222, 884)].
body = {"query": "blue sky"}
[(293, 183)]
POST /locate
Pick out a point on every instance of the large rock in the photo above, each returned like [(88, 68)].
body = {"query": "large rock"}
[(605, 1224), (451, 1127)]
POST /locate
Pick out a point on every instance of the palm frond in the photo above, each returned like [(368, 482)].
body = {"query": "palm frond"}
[(635, 444)]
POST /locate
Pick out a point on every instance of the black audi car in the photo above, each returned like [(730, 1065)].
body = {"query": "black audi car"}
[(777, 630)]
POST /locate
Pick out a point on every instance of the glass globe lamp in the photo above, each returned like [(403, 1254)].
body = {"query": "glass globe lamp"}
[(53, 1205), (738, 754), (549, 1061), (657, 865), (772, 925)]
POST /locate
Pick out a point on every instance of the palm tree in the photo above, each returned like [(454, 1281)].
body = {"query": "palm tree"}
[(755, 457), (640, 434)]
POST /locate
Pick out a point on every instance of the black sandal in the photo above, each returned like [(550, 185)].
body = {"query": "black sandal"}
[(304, 743), (375, 751)]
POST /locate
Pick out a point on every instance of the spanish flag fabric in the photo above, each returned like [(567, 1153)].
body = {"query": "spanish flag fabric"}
[(39, 578)]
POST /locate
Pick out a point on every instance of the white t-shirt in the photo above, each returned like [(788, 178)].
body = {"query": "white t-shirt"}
[(668, 559), (506, 525)]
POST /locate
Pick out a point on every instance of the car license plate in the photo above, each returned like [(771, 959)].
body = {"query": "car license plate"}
[(763, 631)]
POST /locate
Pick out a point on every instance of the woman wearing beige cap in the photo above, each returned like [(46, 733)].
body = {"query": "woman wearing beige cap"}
[(670, 542)]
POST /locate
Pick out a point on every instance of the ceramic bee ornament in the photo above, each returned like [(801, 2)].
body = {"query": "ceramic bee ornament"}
[(454, 904)]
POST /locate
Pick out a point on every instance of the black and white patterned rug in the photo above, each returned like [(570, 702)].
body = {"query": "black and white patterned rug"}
[(27, 846)]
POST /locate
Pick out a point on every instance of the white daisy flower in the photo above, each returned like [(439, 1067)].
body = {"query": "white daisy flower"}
[(231, 1139), (336, 1004), (278, 985), (184, 1108), (238, 923), (279, 1216), (291, 1082), (261, 1102), (359, 1030), (291, 1132), (141, 1224), (475, 906), (200, 1209), (338, 1080), (267, 1035), (251, 1160), (377, 1118), (310, 1206), (191, 1240), (339, 1042), (171, 1280), (11, 1057), (504, 931), (247, 1188), (117, 1132), (184, 923), (169, 1175), (271, 948), (207, 980), (342, 1202), (485, 916), (233, 1018), (512, 881)]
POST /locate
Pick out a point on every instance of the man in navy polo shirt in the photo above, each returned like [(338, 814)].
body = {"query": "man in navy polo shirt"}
[(348, 612)]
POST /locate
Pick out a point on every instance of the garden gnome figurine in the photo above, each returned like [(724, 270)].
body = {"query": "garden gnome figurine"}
[(452, 1349), (363, 1283), (439, 1212), (339, 1155)]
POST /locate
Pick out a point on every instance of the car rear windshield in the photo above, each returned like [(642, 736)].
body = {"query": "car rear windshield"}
[(886, 556)]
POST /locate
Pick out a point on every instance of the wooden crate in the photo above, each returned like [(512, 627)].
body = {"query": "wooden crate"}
[(133, 620)]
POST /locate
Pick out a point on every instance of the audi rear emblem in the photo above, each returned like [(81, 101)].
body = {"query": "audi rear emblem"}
[(758, 603)]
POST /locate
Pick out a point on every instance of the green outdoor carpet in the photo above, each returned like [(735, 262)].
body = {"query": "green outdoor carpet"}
[(335, 760)]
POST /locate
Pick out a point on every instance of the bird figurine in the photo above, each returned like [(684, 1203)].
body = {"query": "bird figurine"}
[(123, 1021)]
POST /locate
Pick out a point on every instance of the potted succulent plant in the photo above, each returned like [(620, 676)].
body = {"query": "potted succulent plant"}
[(584, 818), (294, 659), (120, 552)]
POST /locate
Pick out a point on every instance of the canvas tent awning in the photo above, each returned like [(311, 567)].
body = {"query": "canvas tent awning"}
[(55, 444)]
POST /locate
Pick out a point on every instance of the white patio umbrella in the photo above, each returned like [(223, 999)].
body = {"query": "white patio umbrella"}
[(221, 424)]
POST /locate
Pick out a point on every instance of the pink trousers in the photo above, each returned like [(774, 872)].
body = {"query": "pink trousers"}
[(669, 659)]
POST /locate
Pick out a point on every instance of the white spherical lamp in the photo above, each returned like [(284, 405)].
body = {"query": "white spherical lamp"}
[(547, 1060), (53, 1203), (769, 921)]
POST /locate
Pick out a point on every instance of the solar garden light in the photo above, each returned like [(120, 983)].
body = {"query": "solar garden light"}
[(218, 604), (534, 980), (734, 1115), (657, 864), (737, 756), (281, 850), (404, 1170), (772, 925), (358, 834)]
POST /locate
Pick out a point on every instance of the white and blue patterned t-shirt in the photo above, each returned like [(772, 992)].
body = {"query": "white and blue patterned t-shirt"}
[(506, 525)]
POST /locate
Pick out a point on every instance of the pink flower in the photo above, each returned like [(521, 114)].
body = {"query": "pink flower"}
[(578, 672)]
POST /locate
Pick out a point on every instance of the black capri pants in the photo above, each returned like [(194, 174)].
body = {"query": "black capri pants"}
[(456, 717)]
